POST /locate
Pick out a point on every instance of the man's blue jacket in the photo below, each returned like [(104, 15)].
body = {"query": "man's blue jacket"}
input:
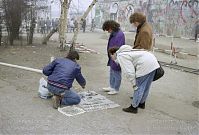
[(63, 71)]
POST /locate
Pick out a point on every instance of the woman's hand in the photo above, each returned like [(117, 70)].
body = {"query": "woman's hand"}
[(113, 56)]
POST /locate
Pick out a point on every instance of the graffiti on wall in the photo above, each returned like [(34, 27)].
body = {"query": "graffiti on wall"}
[(168, 17), (114, 10), (129, 10), (101, 14)]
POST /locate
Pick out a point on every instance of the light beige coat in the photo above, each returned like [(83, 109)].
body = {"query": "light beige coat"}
[(144, 38)]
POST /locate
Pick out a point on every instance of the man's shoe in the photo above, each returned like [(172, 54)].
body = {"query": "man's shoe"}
[(142, 105), (130, 109), (112, 92), (107, 89), (56, 101)]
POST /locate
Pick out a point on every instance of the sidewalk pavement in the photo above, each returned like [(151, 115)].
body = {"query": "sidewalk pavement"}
[(169, 109), (187, 50), (184, 47)]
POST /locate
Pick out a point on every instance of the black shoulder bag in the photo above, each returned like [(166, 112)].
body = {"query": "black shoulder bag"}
[(158, 73)]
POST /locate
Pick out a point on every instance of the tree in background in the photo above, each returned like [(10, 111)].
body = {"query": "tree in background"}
[(65, 5), (83, 17), (0, 27), (32, 18), (13, 10)]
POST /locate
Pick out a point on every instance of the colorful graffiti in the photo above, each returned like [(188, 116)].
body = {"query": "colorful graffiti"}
[(168, 17)]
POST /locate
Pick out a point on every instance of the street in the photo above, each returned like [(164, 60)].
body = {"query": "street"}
[(169, 109)]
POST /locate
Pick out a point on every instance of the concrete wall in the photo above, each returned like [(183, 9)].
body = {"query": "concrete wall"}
[(168, 17)]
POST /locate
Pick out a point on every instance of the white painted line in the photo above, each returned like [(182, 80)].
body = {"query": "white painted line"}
[(183, 53), (168, 50), (185, 38), (21, 67), (71, 110)]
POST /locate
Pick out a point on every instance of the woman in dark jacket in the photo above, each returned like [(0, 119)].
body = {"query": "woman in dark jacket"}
[(116, 39), (61, 73)]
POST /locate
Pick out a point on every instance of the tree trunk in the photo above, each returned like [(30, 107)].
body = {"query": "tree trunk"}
[(32, 27), (74, 39), (0, 33), (11, 38), (45, 40), (30, 38), (13, 10), (63, 25), (63, 21)]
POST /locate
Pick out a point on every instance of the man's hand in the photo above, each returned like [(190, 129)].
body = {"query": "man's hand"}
[(113, 56), (135, 87), (83, 87)]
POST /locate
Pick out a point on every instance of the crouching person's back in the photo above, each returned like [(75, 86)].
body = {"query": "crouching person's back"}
[(61, 74)]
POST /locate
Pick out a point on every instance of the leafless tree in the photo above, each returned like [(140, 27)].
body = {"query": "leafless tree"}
[(83, 17), (13, 10), (31, 12), (65, 5), (0, 30)]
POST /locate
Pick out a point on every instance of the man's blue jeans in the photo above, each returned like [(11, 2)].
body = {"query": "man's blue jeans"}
[(70, 97), (115, 79), (143, 83)]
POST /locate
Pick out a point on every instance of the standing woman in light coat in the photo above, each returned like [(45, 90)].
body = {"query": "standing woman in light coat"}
[(139, 66)]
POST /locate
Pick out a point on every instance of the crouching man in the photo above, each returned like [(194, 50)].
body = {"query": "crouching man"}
[(61, 74)]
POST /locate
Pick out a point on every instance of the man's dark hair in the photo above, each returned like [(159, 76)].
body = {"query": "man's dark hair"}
[(111, 24), (73, 55), (113, 50)]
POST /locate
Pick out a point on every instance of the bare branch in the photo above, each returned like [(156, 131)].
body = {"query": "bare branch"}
[(80, 21)]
